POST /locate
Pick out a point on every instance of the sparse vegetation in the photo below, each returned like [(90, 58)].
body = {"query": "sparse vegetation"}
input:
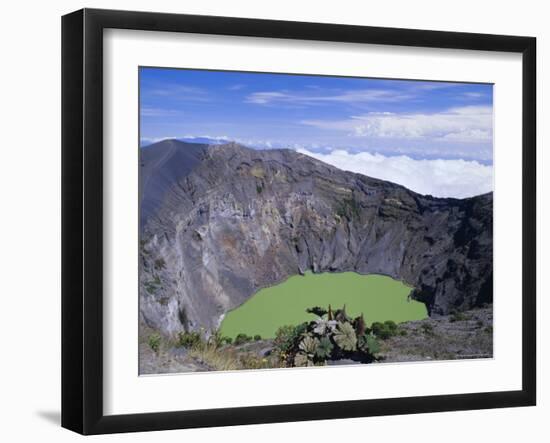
[(215, 358), (458, 316), (241, 339), (427, 328), (160, 264), (349, 208), (150, 287), (154, 342), (384, 330), (189, 339), (442, 338), (333, 335), (217, 354), (252, 361)]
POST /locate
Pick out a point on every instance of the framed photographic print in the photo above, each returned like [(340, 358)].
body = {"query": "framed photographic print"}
[(269, 221)]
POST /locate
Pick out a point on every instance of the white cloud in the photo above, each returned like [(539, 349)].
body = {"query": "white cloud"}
[(178, 92), (351, 96), (236, 87), (440, 178), (473, 95), (464, 124), (159, 112)]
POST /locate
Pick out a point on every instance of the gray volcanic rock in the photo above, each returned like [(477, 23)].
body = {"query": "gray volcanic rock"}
[(161, 166), (223, 221)]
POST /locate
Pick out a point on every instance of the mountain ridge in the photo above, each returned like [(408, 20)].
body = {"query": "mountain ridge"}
[(221, 221)]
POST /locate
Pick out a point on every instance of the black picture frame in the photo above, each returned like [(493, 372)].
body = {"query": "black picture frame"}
[(82, 218)]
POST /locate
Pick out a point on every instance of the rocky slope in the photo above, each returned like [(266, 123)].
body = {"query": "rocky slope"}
[(220, 222)]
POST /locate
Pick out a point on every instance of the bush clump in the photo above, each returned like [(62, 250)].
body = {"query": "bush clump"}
[(189, 339), (384, 330), (332, 336), (458, 316), (241, 339), (427, 328), (154, 342)]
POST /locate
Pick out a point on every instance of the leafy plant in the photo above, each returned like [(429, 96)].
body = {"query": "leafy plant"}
[(251, 361), (384, 330), (154, 342), (216, 339), (345, 337), (317, 310), (160, 264), (302, 359), (257, 337), (150, 287), (241, 339), (427, 328), (349, 208), (189, 339), (372, 344), (324, 348), (331, 336), (309, 345), (323, 326), (360, 326), (458, 316)]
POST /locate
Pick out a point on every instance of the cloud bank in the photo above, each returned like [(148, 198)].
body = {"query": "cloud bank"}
[(440, 178), (463, 124), (353, 96)]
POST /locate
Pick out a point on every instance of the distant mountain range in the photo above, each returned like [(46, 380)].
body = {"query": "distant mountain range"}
[(219, 222), (196, 140)]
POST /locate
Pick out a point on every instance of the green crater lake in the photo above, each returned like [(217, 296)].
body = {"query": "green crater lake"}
[(378, 297)]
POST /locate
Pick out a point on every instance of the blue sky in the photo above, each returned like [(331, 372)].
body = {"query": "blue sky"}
[(322, 116)]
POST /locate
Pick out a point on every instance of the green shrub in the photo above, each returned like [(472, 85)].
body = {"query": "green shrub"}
[(427, 328), (154, 342), (189, 339), (324, 348), (377, 327), (257, 337), (349, 208), (332, 336), (345, 337), (241, 339), (150, 287), (160, 264), (251, 361), (216, 339), (384, 330), (317, 310), (372, 344), (391, 325), (458, 316), (286, 341)]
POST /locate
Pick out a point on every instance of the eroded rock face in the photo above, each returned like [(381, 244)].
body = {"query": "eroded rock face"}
[(223, 221)]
